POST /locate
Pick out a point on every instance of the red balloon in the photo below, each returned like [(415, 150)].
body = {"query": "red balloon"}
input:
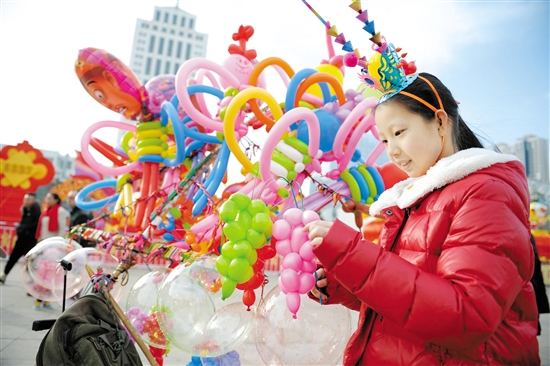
[(249, 297), (256, 281), (391, 174), (258, 266), (267, 251)]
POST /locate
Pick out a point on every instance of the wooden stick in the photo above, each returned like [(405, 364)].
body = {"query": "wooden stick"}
[(128, 325)]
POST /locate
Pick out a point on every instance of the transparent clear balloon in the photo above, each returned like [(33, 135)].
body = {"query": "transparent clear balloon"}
[(42, 260), (194, 317), (32, 288), (142, 310), (317, 337), (78, 277)]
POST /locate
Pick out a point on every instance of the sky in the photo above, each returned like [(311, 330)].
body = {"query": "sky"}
[(493, 55)]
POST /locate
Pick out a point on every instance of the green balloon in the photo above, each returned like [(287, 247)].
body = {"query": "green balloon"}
[(261, 222), (255, 238), (222, 265), (228, 251), (244, 218), (229, 211), (242, 249), (256, 207), (249, 274), (241, 199), (234, 231), (228, 287), (269, 230), (238, 270), (176, 213), (252, 256)]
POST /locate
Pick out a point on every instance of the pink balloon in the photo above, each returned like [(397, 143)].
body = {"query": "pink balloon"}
[(281, 229), (283, 247), (277, 132), (292, 261), (183, 95), (289, 279), (307, 282), (293, 216), (202, 226), (85, 149), (309, 266), (284, 290), (240, 67), (309, 216), (306, 251), (298, 238), (293, 302)]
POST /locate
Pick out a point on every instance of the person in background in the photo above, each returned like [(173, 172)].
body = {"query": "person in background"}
[(25, 232), (78, 217), (54, 221)]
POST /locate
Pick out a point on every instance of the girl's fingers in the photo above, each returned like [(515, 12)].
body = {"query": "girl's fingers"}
[(322, 283), (316, 241)]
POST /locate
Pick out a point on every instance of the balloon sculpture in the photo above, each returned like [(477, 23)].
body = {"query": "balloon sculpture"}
[(170, 166)]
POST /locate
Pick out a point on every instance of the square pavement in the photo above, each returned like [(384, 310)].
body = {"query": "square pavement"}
[(19, 343)]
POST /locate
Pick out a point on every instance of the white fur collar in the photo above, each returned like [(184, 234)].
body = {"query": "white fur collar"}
[(447, 170)]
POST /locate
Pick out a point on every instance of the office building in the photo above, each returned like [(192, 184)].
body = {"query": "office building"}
[(161, 45), (533, 153)]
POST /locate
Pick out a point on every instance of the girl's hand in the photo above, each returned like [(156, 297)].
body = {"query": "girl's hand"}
[(317, 231), (320, 285)]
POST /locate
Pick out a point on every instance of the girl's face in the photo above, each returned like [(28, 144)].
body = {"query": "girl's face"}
[(50, 201), (412, 143)]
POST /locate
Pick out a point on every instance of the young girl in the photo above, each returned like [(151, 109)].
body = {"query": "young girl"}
[(449, 282)]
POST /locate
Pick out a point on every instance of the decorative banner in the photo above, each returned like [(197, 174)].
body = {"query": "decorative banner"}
[(22, 170)]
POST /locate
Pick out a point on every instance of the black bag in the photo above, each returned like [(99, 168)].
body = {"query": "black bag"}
[(88, 333)]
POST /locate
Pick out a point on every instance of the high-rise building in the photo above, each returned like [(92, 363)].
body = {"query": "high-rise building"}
[(161, 45), (533, 153)]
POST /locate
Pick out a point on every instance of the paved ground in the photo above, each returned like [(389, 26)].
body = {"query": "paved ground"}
[(19, 344)]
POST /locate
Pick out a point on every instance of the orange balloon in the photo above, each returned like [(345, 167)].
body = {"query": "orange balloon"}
[(372, 228)]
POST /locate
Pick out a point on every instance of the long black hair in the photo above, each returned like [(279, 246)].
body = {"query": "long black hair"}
[(464, 138), (56, 197)]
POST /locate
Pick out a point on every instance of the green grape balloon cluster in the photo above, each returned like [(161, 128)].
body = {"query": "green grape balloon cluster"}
[(248, 227)]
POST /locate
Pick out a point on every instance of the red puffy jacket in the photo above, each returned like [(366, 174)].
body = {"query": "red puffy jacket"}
[(449, 282)]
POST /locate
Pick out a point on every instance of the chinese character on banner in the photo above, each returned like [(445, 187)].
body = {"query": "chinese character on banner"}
[(22, 170)]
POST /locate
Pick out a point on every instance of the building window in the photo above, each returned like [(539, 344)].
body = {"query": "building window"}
[(157, 68), (170, 46), (155, 27), (148, 66), (157, 15), (163, 30), (191, 23), (174, 19), (188, 51), (176, 68), (181, 34), (167, 67), (178, 53), (172, 31), (189, 35), (151, 44), (161, 45), (199, 38), (182, 22), (166, 16)]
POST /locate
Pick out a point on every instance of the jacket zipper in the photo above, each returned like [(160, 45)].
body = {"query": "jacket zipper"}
[(407, 214), (392, 248)]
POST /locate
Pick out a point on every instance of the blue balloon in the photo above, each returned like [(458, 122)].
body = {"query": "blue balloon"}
[(363, 187), (295, 83), (213, 181), (329, 125), (356, 156), (84, 192)]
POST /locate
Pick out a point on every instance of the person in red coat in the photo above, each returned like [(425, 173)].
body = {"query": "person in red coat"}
[(449, 282)]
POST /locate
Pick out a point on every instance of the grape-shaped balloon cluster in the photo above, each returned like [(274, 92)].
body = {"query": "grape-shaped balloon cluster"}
[(298, 259), (247, 227)]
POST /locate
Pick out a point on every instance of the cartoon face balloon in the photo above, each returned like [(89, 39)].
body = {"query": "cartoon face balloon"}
[(239, 66), (159, 89), (110, 82)]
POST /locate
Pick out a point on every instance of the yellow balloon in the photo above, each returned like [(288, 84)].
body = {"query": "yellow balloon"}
[(231, 113), (327, 69)]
